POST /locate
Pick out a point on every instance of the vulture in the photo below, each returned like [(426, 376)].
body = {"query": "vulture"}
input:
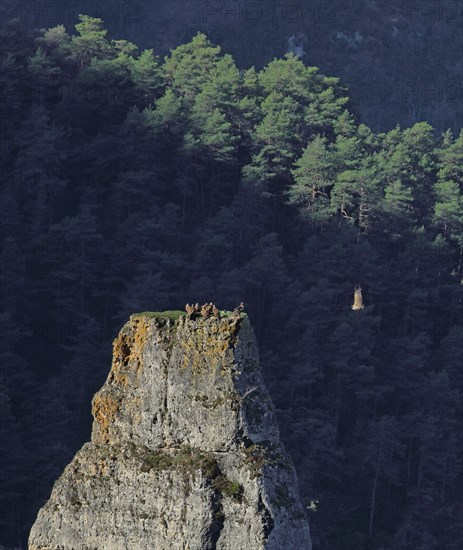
[(358, 300)]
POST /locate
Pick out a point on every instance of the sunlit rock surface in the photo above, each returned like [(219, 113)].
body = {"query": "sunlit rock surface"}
[(185, 451)]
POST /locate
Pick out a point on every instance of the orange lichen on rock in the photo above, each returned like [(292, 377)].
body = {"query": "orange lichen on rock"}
[(104, 409), (125, 373), (205, 345), (127, 352), (142, 329), (121, 357)]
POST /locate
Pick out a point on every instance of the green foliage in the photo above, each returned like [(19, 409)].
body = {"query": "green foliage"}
[(231, 489), (313, 179), (190, 66), (54, 41), (213, 138), (397, 207), (185, 459), (448, 209), (356, 193), (42, 69), (91, 41), (188, 461), (299, 103), (146, 75), (174, 315)]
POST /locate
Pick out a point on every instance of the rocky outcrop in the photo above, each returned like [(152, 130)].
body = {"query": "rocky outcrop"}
[(185, 451)]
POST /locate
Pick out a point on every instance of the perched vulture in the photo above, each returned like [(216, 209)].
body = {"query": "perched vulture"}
[(190, 310), (206, 310), (238, 309)]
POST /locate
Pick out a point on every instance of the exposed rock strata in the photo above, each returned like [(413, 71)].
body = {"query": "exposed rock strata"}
[(185, 451)]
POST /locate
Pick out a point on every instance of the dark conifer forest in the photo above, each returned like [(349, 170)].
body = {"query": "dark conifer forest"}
[(131, 181)]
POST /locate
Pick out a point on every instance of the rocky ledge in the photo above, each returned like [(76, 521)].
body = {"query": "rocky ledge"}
[(185, 451)]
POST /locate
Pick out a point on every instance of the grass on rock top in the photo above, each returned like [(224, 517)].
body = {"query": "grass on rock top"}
[(174, 314)]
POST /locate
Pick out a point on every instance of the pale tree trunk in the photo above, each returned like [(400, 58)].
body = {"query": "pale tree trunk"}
[(373, 494), (338, 404), (444, 480), (409, 467), (420, 468), (184, 204)]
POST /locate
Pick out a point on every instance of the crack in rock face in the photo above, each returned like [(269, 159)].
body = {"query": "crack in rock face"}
[(185, 451)]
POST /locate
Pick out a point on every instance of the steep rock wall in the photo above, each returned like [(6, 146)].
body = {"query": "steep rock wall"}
[(185, 450)]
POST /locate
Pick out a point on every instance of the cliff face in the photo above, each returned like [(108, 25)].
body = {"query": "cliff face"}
[(185, 451)]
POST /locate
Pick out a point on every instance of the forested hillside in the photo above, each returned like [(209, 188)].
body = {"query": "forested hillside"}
[(133, 183), (401, 58)]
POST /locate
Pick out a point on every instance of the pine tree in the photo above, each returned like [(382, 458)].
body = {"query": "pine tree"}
[(188, 68), (38, 173), (448, 208), (146, 75), (356, 194), (313, 179), (91, 41), (46, 75), (397, 209)]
